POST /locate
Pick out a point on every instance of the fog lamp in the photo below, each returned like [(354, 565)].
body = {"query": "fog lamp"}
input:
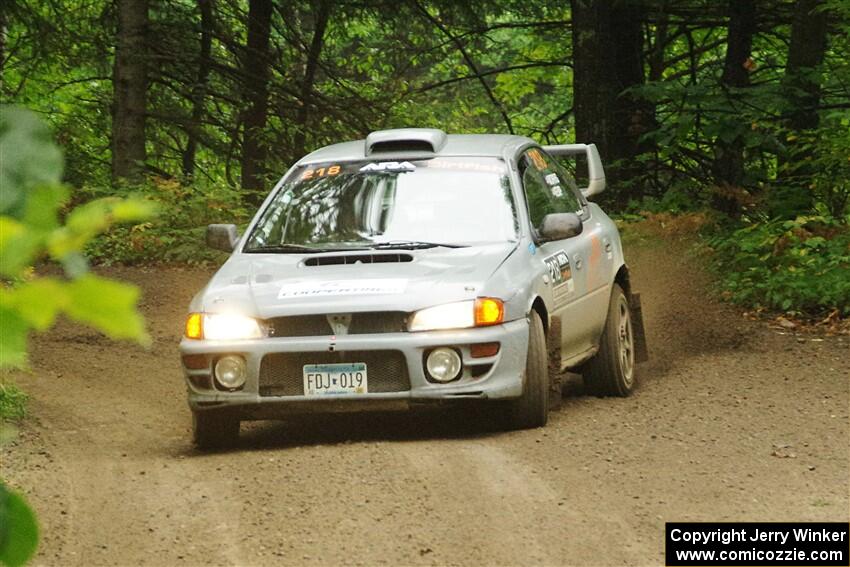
[(443, 364), (230, 372)]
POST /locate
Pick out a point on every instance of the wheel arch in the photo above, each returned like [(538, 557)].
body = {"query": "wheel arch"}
[(539, 306), (623, 278)]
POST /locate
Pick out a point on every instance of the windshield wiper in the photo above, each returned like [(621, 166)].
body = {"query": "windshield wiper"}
[(287, 249), (412, 245)]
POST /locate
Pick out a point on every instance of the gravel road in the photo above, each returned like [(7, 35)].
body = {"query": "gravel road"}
[(732, 421)]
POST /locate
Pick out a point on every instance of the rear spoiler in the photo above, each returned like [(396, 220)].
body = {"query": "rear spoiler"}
[(594, 164)]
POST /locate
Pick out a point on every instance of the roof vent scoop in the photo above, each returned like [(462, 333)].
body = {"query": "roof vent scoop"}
[(430, 140)]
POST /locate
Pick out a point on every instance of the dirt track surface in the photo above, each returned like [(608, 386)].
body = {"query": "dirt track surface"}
[(731, 421)]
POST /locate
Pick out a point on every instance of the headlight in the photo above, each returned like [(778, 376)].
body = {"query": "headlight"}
[(222, 327), (460, 315)]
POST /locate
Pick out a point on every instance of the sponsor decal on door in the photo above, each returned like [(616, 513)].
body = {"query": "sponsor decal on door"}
[(560, 271)]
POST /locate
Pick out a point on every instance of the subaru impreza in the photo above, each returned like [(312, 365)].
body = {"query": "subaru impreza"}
[(414, 268)]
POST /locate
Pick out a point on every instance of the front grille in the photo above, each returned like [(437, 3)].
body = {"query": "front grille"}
[(318, 326), (282, 374), (300, 326)]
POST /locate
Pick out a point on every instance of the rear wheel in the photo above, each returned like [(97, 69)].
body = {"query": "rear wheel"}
[(611, 372), (532, 408), (214, 430)]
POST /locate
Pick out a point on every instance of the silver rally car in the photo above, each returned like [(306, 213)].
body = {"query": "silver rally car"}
[(414, 267)]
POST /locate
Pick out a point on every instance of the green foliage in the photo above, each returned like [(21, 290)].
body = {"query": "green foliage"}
[(178, 232), (800, 266), (821, 175), (30, 230), (13, 403), (786, 172), (830, 148), (381, 65), (18, 529), (681, 198), (30, 160)]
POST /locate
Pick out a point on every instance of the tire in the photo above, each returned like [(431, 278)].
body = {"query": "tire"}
[(611, 371), (214, 430), (532, 408)]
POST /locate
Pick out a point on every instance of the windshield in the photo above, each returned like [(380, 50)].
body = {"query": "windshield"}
[(440, 201)]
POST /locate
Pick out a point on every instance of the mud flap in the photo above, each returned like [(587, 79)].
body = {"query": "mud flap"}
[(641, 353), (553, 355)]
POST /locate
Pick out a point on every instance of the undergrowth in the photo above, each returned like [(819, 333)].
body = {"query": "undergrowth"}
[(800, 266), (177, 234)]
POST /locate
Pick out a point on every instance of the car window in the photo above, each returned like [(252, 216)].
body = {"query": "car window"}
[(568, 180), (548, 188), (337, 205)]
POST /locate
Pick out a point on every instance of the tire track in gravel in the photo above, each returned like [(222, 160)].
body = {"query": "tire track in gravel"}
[(476, 485)]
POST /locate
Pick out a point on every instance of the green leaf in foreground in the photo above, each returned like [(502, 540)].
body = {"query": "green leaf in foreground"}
[(88, 220), (13, 339), (18, 529), (18, 246), (30, 158), (37, 301), (42, 206), (108, 306)]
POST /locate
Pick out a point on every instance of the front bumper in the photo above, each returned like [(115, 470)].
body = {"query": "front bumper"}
[(497, 377)]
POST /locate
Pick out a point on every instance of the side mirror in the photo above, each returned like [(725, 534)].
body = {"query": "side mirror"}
[(559, 226), (222, 237)]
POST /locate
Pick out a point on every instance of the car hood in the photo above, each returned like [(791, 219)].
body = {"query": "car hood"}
[(273, 285)]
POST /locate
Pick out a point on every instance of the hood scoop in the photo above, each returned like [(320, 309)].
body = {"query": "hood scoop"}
[(358, 259)]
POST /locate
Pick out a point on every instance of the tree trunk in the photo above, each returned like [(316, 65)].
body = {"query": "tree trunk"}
[(633, 116), (594, 79), (2, 45), (607, 48), (656, 54), (805, 55), (802, 84), (729, 154), (199, 89), (130, 85), (322, 16), (256, 93)]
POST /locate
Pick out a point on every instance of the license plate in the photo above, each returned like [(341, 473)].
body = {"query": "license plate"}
[(329, 379)]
